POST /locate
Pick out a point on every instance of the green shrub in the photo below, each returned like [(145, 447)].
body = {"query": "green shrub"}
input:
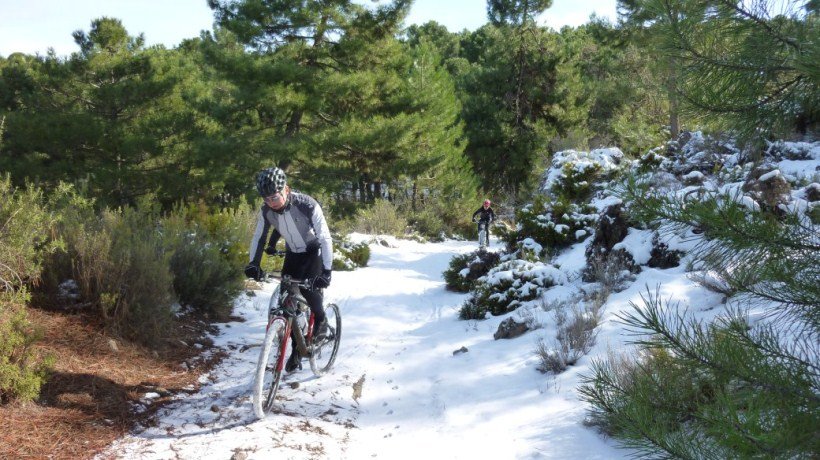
[(725, 388), (382, 218), (552, 224), (22, 371), (429, 223), (205, 277), (465, 269), (24, 235), (350, 256), (24, 239), (507, 286), (576, 180), (121, 265)]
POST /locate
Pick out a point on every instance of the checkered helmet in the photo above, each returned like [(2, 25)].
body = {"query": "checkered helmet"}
[(270, 181)]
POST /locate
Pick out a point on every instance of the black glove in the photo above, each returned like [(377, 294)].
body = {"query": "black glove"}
[(322, 281), (270, 250), (254, 271)]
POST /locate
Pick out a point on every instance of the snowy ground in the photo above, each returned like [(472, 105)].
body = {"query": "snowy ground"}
[(418, 399)]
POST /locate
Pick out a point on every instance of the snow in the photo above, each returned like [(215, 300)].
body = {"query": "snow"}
[(419, 400), (638, 243), (421, 395)]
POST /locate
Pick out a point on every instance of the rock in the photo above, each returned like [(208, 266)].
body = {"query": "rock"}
[(768, 187), (510, 329), (357, 388), (611, 229), (460, 350), (112, 344), (662, 257), (812, 192), (239, 455), (215, 408)]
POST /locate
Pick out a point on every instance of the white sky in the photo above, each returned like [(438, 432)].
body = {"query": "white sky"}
[(35, 25)]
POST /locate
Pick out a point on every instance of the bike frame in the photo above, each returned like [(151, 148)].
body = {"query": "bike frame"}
[(483, 234), (302, 339)]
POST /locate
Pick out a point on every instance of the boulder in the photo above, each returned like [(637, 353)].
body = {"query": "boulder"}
[(510, 329)]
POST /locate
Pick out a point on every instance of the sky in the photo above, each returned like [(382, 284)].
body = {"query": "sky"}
[(33, 26)]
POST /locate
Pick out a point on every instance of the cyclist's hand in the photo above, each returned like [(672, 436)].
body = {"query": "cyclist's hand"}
[(254, 271), (322, 281), (270, 250)]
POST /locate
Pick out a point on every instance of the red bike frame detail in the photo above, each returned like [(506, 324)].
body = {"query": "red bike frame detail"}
[(280, 363)]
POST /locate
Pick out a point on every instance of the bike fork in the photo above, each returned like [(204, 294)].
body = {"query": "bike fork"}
[(280, 362)]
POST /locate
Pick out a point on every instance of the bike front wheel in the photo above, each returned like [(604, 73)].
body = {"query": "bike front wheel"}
[(324, 349), (270, 367)]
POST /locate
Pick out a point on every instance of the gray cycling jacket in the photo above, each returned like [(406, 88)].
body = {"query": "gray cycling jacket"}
[(301, 223)]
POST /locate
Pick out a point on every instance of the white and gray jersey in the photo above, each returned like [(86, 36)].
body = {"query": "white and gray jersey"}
[(301, 223)]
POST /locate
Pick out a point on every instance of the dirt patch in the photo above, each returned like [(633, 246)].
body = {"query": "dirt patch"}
[(91, 397)]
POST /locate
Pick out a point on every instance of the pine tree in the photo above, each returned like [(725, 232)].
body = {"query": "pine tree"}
[(751, 66), (732, 388), (110, 118), (515, 103)]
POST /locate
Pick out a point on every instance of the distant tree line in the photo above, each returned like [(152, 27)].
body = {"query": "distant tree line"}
[(357, 108)]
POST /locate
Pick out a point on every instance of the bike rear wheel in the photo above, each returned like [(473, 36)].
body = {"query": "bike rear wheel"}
[(270, 367), (323, 351)]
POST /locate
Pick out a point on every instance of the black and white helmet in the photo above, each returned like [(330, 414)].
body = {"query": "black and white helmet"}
[(270, 181)]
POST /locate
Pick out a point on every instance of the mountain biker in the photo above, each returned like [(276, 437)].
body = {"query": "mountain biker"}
[(308, 246), (486, 216)]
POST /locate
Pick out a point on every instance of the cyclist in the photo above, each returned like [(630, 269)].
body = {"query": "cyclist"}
[(486, 216), (308, 246)]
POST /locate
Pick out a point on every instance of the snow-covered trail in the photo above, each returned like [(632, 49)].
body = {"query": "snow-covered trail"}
[(396, 391)]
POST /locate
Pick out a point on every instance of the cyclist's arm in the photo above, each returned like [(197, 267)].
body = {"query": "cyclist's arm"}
[(258, 241), (274, 238), (323, 234)]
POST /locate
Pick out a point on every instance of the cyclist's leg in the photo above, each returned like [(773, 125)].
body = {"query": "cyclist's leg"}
[(311, 268)]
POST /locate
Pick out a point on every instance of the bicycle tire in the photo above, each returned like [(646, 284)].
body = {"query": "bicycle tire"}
[(267, 377), (323, 354)]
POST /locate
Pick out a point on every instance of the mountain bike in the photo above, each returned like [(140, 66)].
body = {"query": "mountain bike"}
[(483, 234), (286, 315)]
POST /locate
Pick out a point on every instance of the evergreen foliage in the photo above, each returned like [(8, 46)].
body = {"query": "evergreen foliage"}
[(206, 259), (509, 285), (723, 390), (465, 269), (749, 66), (733, 388), (349, 256), (23, 246), (516, 102)]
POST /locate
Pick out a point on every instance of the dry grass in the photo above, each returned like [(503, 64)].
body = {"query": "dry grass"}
[(86, 403)]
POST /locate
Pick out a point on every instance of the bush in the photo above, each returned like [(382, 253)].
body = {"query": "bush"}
[(24, 235), (382, 218), (22, 371), (576, 336), (24, 225), (507, 286), (429, 223), (465, 269), (120, 263), (727, 389), (350, 256), (205, 277), (552, 224)]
